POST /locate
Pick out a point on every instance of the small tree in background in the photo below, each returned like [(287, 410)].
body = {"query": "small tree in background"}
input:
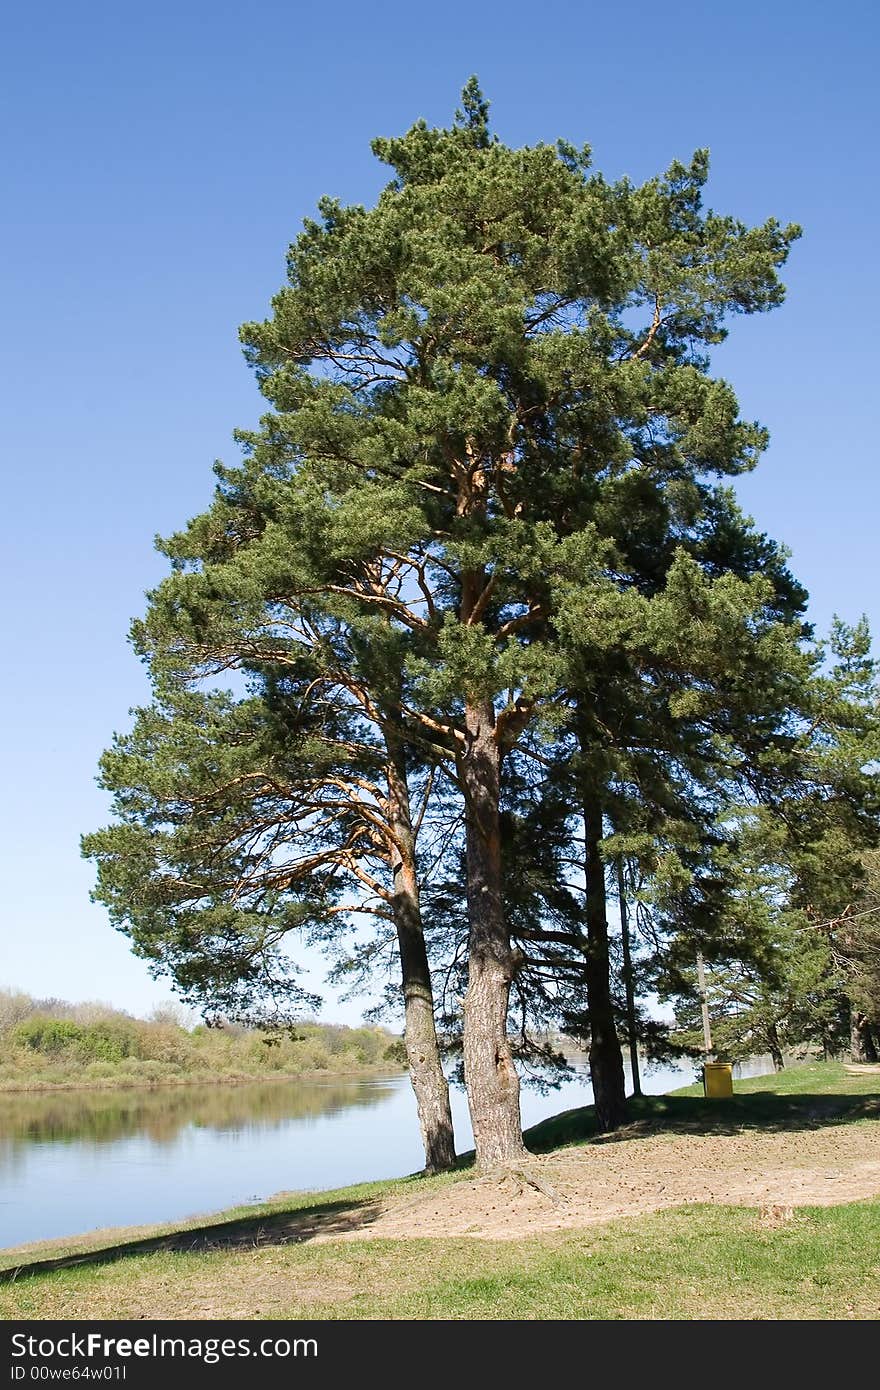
[(785, 877)]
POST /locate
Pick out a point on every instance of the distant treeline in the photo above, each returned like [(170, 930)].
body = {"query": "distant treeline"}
[(48, 1043)]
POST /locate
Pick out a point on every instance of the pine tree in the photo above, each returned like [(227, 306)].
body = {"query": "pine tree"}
[(855, 945), (241, 822), (482, 500), (785, 872)]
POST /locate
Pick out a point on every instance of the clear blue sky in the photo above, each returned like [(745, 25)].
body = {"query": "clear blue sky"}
[(160, 157)]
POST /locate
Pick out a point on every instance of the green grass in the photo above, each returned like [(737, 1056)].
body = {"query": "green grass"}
[(798, 1097), (814, 1078), (692, 1262)]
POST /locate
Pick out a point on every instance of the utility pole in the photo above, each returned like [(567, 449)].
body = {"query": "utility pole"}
[(707, 1033), (628, 983)]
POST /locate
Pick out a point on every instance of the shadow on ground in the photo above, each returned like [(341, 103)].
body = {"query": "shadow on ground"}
[(249, 1232), (649, 1115)]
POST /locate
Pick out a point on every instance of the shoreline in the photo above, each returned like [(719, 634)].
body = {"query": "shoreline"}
[(168, 1083)]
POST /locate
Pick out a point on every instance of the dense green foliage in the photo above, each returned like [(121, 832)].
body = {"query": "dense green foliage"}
[(786, 966), (47, 1042), (854, 942), (482, 550)]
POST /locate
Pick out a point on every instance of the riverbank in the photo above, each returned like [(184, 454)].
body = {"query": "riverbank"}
[(763, 1206), (50, 1045), (135, 1081)]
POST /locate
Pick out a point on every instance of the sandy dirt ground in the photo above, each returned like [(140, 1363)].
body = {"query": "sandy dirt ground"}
[(636, 1171)]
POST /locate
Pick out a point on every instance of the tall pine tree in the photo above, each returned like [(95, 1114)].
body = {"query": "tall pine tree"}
[(484, 500)]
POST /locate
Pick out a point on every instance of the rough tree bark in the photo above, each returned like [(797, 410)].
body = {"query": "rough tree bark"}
[(420, 1033), (861, 1040), (606, 1058), (628, 981), (490, 1075), (775, 1048)]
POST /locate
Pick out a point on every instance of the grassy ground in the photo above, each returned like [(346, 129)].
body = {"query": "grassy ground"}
[(691, 1262), (694, 1263), (819, 1090)]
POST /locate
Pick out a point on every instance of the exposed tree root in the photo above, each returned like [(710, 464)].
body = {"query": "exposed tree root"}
[(540, 1186), (524, 1177)]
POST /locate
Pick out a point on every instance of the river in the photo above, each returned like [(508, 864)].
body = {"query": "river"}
[(75, 1161)]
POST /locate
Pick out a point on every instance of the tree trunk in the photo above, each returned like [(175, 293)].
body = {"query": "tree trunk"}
[(490, 1076), (420, 1034), (606, 1058), (628, 982), (775, 1048), (861, 1042)]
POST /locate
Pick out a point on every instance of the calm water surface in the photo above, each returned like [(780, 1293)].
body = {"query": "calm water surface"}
[(76, 1161)]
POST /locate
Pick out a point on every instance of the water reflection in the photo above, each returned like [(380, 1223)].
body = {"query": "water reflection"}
[(75, 1161), (102, 1117)]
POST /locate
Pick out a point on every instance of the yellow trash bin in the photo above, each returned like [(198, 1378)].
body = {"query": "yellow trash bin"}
[(717, 1079)]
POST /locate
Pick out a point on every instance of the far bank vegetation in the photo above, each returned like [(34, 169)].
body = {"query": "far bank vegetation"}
[(47, 1043)]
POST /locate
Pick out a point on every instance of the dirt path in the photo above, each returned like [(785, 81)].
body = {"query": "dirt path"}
[(638, 1171)]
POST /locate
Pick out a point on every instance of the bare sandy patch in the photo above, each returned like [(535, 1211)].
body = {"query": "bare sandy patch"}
[(636, 1171)]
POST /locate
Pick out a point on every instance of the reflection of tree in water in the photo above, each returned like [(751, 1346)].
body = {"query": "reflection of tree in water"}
[(106, 1116)]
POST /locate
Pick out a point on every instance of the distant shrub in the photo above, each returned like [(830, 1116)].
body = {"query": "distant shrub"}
[(100, 1071), (50, 1036), (14, 1008), (173, 1013), (111, 1040), (89, 1011), (151, 1070), (23, 1066), (130, 1066), (309, 1055), (163, 1042)]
